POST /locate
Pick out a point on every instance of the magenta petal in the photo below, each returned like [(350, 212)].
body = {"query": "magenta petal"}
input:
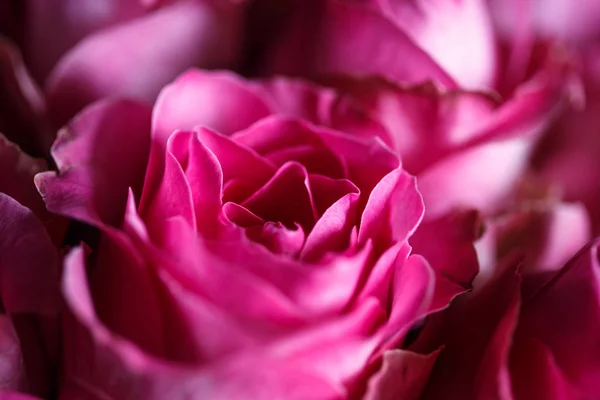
[(396, 188), (353, 39), (12, 371), (204, 175), (22, 106), (99, 155), (564, 316), (332, 230), (7, 395), (166, 42), (220, 101), (278, 238), (289, 187), (16, 179), (281, 139), (30, 271), (535, 374), (142, 376), (403, 375), (448, 245), (411, 295)]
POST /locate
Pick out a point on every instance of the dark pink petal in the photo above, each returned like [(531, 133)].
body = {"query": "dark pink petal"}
[(457, 35), (535, 374), (327, 191), (22, 106), (411, 295), (99, 155), (30, 271), (16, 179), (403, 375), (393, 211), (286, 198), (8, 395), (465, 343), (448, 245), (106, 356), (12, 372), (493, 379), (52, 29), (563, 316), (220, 101), (355, 40), (166, 42)]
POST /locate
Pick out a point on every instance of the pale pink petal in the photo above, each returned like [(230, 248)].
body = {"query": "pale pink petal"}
[(458, 35), (99, 155), (166, 42)]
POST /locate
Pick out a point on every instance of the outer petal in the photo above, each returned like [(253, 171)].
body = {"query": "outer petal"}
[(99, 155), (350, 39), (30, 264), (95, 357), (11, 363), (563, 316), (16, 180), (165, 42), (466, 330), (52, 29), (458, 35), (22, 107), (403, 375)]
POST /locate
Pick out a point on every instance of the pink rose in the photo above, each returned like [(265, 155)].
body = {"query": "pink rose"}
[(261, 256)]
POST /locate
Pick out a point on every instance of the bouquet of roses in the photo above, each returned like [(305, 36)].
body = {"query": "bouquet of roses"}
[(300, 199)]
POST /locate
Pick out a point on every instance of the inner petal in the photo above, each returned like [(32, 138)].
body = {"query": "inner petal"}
[(286, 198), (277, 238)]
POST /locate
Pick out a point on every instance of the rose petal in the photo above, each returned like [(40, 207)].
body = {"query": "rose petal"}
[(402, 375), (168, 41), (142, 375), (22, 107), (458, 36), (350, 38), (95, 173), (30, 264), (399, 222)]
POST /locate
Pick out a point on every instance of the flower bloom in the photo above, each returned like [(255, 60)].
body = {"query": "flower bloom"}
[(244, 252)]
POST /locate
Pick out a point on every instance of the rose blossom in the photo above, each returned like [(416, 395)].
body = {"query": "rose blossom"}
[(262, 255)]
